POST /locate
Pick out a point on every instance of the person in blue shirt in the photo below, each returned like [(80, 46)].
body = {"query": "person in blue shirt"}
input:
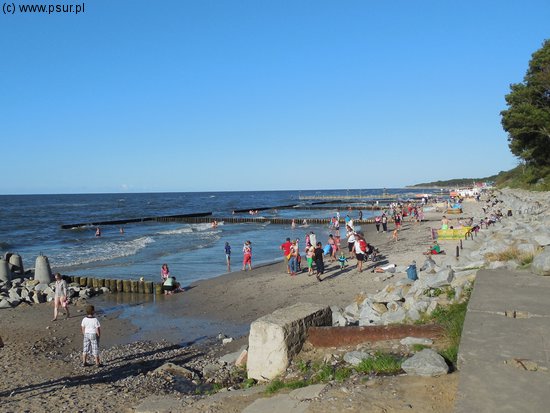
[(228, 256)]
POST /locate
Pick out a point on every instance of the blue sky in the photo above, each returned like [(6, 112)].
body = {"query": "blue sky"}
[(147, 96)]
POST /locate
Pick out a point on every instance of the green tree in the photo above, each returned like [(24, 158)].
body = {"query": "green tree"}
[(527, 119)]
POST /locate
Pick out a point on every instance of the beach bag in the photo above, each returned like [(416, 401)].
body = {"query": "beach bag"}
[(411, 273)]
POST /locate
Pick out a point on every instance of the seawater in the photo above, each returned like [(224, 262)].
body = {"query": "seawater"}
[(31, 225)]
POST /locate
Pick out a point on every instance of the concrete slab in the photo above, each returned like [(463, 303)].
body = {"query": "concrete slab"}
[(489, 379)]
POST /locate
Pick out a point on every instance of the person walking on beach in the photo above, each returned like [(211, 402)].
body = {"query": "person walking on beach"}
[(377, 223), (228, 256), (310, 255), (285, 247), (333, 247), (91, 330), (384, 221), (293, 262), (247, 255), (60, 296), (164, 272), (319, 264)]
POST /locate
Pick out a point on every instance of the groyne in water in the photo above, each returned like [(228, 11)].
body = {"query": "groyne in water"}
[(116, 285)]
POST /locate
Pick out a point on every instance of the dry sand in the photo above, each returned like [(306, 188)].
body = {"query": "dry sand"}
[(41, 372)]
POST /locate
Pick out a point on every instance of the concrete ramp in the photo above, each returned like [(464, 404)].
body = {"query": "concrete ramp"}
[(505, 347)]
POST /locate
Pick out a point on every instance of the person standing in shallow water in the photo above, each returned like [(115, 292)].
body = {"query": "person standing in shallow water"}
[(228, 256), (247, 255)]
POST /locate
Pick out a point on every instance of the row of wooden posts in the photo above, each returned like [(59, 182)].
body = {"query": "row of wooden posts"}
[(120, 286)]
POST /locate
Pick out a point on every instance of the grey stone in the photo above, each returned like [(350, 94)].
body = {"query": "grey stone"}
[(425, 363), (338, 319), (230, 358), (394, 317), (543, 239), (541, 263), (276, 338), (4, 303), (440, 279), (351, 312), (410, 341), (356, 357)]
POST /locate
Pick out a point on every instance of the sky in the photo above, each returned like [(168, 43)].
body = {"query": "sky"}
[(178, 95)]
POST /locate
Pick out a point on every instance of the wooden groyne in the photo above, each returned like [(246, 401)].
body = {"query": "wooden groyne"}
[(117, 286), (167, 218)]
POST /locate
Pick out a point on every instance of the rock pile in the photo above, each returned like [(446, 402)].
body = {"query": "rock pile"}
[(517, 238), (30, 291)]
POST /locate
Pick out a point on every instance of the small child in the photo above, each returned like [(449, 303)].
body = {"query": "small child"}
[(91, 330), (342, 260)]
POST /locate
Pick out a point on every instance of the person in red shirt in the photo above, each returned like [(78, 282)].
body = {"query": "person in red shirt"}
[(285, 247)]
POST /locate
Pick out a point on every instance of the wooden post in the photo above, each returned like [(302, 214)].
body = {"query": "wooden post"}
[(158, 288), (141, 287), (76, 279), (112, 286), (119, 286), (134, 286), (126, 286), (149, 287), (89, 282), (83, 281), (95, 282)]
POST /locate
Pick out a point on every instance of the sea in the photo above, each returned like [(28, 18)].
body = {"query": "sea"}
[(31, 225)]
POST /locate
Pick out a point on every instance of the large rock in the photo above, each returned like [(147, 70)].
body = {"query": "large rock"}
[(425, 363), (277, 337), (5, 303), (541, 263), (338, 319), (440, 279), (42, 270), (5, 273), (356, 357)]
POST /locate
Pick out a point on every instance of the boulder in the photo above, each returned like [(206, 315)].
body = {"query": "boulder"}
[(276, 338), (425, 363), (541, 263), (356, 357), (542, 238), (338, 319), (394, 317), (4, 303), (369, 315), (440, 279), (351, 312)]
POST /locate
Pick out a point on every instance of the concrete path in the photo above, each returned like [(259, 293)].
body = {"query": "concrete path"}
[(504, 361)]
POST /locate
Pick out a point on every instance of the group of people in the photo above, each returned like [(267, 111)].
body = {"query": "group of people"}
[(169, 283), (89, 326), (314, 253)]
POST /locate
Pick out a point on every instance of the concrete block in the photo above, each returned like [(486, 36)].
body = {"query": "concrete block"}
[(277, 337)]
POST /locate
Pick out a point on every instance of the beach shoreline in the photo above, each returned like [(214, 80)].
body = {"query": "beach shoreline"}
[(225, 304)]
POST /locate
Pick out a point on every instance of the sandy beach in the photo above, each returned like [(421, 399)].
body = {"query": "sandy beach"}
[(40, 358)]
